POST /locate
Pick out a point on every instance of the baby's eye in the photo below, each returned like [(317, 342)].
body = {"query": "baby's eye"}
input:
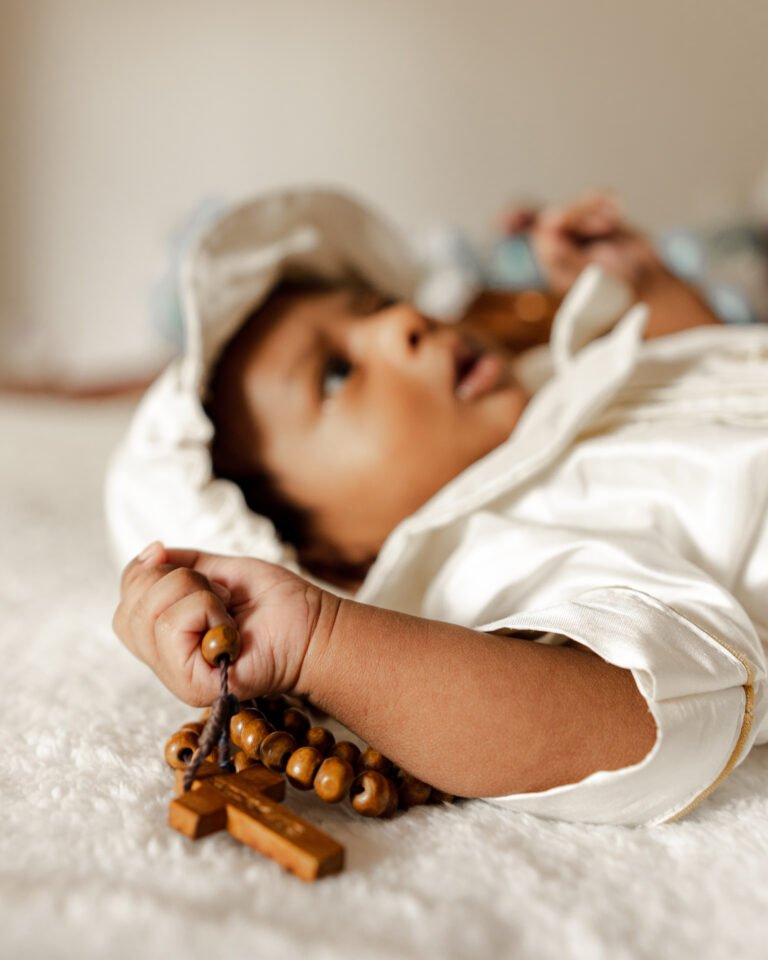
[(335, 373)]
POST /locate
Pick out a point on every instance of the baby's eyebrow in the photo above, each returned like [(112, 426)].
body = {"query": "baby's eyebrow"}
[(362, 299), (305, 353)]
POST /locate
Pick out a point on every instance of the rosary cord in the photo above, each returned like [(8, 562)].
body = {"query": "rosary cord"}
[(224, 699), (216, 729)]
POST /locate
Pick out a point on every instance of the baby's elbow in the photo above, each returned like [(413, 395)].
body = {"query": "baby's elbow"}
[(610, 731)]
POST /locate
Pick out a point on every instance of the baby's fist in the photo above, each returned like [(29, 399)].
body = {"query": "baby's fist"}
[(170, 598), (592, 229)]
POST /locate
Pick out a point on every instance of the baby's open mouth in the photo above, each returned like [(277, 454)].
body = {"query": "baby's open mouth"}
[(478, 371)]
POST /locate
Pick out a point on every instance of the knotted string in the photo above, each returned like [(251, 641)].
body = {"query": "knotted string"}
[(216, 729)]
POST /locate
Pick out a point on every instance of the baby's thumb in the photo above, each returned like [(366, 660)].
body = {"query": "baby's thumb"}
[(153, 554), (221, 592)]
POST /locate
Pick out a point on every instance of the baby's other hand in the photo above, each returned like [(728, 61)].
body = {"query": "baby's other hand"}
[(169, 598), (592, 229)]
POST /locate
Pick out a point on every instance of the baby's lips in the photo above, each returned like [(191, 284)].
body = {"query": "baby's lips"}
[(483, 377)]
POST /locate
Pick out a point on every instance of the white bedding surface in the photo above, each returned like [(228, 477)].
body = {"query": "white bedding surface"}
[(88, 867)]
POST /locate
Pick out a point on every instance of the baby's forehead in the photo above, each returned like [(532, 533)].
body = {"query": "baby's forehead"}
[(282, 328), (290, 321), (269, 362)]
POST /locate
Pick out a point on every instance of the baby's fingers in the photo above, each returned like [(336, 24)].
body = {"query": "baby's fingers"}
[(150, 557), (153, 590), (593, 215), (177, 635)]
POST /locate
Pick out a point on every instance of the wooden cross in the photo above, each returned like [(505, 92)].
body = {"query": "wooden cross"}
[(247, 805)]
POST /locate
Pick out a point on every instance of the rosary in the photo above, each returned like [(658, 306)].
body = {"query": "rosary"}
[(239, 790)]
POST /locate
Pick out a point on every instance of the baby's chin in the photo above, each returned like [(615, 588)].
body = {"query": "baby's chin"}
[(502, 407)]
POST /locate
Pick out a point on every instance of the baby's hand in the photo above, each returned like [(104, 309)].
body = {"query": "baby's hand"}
[(592, 229), (169, 598)]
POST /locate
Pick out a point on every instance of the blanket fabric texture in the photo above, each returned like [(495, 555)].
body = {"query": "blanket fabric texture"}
[(89, 869)]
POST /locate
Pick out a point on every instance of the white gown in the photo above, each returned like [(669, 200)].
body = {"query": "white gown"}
[(628, 511)]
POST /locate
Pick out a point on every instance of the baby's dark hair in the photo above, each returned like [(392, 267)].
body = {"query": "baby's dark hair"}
[(234, 453)]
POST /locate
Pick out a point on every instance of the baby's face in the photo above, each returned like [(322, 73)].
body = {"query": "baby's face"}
[(364, 408)]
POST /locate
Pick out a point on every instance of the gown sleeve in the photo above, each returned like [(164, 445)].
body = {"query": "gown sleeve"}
[(694, 654)]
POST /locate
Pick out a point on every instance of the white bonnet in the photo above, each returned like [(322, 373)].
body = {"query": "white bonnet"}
[(160, 482)]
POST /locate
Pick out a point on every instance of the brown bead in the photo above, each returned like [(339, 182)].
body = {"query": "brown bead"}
[(371, 793), (321, 739), (236, 722), (275, 749), (252, 735), (204, 714), (239, 720), (273, 706), (180, 748), (374, 760), (220, 641), (241, 761), (440, 796), (194, 726), (531, 306), (302, 766), (393, 801), (346, 750), (333, 779), (295, 723), (412, 792)]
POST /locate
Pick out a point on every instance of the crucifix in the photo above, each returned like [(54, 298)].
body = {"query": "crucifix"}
[(247, 805)]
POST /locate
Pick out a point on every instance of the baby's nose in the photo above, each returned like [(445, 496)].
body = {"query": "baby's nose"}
[(397, 330)]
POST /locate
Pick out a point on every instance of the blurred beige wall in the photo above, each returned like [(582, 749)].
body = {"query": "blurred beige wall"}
[(118, 118)]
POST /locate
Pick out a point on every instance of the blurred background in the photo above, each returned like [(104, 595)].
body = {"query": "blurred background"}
[(120, 121)]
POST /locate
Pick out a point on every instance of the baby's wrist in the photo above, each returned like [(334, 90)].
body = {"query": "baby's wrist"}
[(654, 279), (319, 646), (674, 305)]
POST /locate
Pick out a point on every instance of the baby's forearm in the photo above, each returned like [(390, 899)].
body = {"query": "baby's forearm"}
[(674, 306), (472, 713)]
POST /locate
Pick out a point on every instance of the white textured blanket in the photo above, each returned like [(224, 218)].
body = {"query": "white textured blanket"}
[(89, 868)]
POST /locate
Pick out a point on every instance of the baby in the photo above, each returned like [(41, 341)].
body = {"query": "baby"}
[(463, 504)]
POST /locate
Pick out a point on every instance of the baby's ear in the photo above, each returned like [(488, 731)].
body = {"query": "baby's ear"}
[(312, 555), (327, 563)]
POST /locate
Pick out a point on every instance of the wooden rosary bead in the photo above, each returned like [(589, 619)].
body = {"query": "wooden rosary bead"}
[(321, 739), (220, 641), (394, 799), (346, 750), (252, 734), (371, 793), (194, 726), (371, 759), (275, 750), (295, 723), (180, 748), (273, 706), (302, 766), (440, 796), (239, 720), (236, 723), (412, 792), (241, 761), (333, 779)]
